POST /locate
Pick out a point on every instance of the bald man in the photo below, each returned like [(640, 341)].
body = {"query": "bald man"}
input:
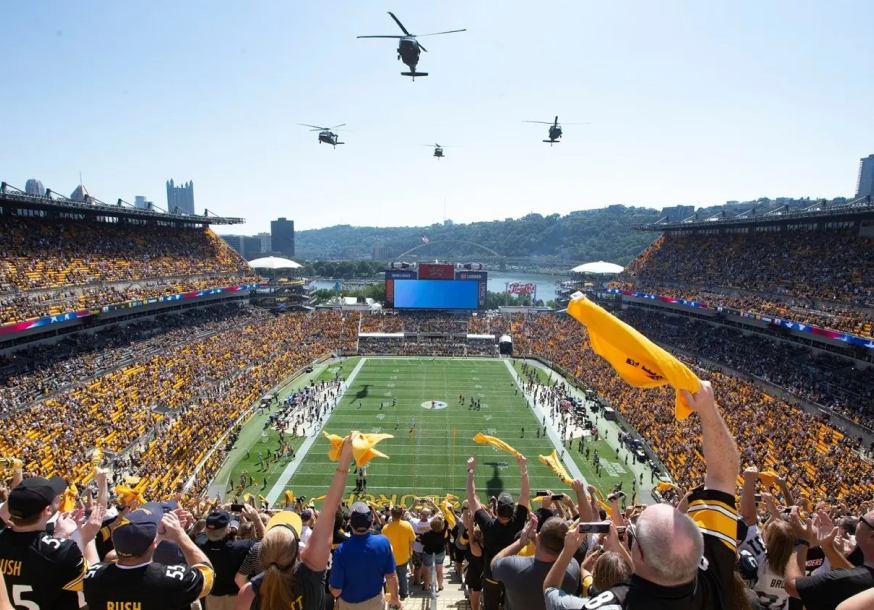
[(826, 591), (683, 561)]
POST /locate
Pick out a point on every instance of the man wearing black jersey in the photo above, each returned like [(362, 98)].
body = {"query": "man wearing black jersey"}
[(43, 571), (138, 583), (681, 561)]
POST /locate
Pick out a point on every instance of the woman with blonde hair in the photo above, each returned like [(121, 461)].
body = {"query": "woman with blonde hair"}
[(295, 578)]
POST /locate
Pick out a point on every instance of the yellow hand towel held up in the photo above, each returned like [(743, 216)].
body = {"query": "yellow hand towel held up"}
[(636, 359)]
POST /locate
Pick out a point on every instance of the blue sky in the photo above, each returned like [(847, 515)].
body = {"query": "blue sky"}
[(689, 103)]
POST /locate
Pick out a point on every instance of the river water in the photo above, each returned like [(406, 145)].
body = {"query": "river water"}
[(498, 281)]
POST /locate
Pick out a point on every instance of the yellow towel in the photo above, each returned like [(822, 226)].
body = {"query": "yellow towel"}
[(289, 498), (768, 477), (319, 499), (482, 439), (129, 494), (556, 466), (663, 486), (68, 501), (262, 501), (362, 446), (636, 359), (9, 462), (448, 513)]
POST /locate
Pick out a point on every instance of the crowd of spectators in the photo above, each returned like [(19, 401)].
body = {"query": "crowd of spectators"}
[(35, 372), (821, 278), (825, 379), (54, 266), (814, 456), (15, 307), (483, 323), (183, 396)]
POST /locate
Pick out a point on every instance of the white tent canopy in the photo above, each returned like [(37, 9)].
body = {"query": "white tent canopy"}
[(273, 262), (599, 267)]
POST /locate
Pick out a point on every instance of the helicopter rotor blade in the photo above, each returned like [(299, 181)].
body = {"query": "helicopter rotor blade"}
[(336, 126), (576, 123), (438, 33), (386, 36), (539, 122), (421, 47), (315, 128), (400, 25)]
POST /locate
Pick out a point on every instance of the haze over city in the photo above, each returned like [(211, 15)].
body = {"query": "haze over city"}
[(689, 103)]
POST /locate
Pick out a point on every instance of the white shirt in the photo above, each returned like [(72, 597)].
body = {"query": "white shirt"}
[(420, 527), (769, 587)]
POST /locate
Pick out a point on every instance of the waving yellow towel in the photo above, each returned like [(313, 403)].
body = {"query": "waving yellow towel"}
[(664, 486), (636, 359), (68, 501), (362, 446), (129, 494), (556, 466), (482, 439), (768, 477)]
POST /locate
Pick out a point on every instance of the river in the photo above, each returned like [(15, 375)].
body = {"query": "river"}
[(498, 280)]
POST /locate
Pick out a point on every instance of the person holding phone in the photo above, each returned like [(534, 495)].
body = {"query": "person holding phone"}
[(680, 560)]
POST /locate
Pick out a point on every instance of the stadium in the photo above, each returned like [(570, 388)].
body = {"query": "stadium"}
[(138, 366)]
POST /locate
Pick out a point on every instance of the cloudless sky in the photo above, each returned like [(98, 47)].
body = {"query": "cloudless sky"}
[(689, 102)]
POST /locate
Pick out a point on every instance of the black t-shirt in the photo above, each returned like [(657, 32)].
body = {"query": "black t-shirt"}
[(153, 586), (308, 592), (41, 570), (713, 587), (103, 541), (827, 591), (226, 556), (434, 542), (496, 535)]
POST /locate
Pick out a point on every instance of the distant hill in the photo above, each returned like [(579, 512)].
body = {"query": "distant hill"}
[(589, 235)]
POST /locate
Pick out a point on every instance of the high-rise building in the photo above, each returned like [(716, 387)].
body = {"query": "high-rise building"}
[(865, 184), (140, 202), (80, 195), (266, 242), (282, 236), (180, 199), (250, 247), (34, 187)]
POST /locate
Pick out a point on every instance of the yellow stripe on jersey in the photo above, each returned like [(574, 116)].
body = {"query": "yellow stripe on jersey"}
[(208, 578), (76, 583), (105, 534), (717, 519)]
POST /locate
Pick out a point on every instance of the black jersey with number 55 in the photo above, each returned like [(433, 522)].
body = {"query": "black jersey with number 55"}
[(151, 586), (41, 572)]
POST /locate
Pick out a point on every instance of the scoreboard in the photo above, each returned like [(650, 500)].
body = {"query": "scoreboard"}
[(435, 286)]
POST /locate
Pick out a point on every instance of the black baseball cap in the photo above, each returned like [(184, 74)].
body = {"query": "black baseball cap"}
[(360, 517), (33, 495), (218, 519), (506, 505), (137, 530)]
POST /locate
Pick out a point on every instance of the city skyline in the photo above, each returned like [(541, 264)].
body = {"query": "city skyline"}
[(688, 103), (180, 199)]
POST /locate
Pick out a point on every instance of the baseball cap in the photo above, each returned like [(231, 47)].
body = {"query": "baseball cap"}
[(506, 505), (217, 520), (360, 516), (137, 530), (306, 515), (33, 495), (286, 518)]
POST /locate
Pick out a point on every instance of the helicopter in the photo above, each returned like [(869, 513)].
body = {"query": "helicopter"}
[(409, 48), (438, 150), (326, 134), (554, 129)]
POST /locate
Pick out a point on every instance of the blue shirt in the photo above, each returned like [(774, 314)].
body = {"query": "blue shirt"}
[(360, 566)]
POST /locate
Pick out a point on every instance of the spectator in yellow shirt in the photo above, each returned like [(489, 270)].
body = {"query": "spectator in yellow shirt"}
[(401, 536)]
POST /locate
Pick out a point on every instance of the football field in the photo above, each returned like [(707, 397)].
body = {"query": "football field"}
[(433, 434)]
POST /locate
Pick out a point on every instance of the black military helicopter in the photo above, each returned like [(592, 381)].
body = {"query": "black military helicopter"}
[(554, 129), (409, 48), (438, 150), (326, 134)]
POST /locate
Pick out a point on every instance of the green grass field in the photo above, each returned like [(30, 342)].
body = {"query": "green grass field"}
[(430, 460)]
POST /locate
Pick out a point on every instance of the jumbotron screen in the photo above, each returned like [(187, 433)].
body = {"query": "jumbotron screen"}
[(435, 286)]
